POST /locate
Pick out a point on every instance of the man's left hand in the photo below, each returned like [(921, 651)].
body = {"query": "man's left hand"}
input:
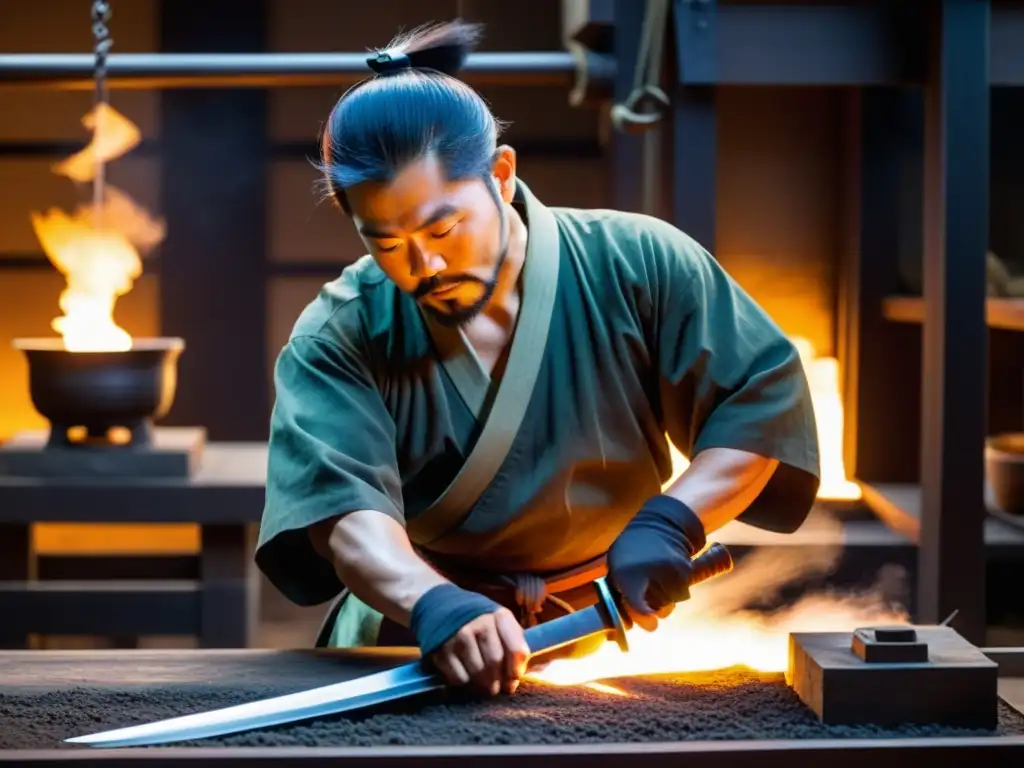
[(650, 561)]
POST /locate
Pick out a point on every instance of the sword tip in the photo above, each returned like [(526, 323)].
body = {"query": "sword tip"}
[(91, 739)]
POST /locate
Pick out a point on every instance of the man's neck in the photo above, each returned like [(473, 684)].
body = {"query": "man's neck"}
[(504, 304), (490, 332)]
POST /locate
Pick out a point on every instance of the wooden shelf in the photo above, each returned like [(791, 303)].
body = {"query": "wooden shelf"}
[(1004, 314), (899, 507)]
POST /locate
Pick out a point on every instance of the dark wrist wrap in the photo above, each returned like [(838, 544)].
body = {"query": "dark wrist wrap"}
[(677, 515), (650, 561), (444, 610)]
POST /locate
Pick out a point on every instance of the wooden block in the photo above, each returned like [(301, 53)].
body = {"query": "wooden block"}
[(955, 686), (174, 452)]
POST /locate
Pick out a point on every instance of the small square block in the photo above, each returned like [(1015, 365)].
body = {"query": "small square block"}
[(956, 686), (888, 647)]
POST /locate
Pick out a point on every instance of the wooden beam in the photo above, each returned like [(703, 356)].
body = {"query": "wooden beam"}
[(883, 181), (692, 141), (952, 558), (1006, 43), (101, 608), (1002, 314), (212, 289), (625, 160), (854, 44)]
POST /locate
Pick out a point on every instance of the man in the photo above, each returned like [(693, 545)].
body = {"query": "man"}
[(470, 421)]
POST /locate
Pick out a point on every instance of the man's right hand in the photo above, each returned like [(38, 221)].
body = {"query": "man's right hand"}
[(490, 652), (470, 638)]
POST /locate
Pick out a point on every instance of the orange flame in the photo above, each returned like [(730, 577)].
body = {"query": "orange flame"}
[(98, 247), (823, 380)]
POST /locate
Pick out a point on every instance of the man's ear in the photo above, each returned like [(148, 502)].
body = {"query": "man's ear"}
[(504, 172)]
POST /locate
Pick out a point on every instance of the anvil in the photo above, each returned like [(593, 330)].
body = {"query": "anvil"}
[(602, 618)]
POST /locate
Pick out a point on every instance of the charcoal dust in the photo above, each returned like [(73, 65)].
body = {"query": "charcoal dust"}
[(728, 705)]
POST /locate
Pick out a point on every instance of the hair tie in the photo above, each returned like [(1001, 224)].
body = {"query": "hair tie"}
[(389, 62)]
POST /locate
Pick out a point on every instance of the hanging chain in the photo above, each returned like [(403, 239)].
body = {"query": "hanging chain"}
[(101, 36)]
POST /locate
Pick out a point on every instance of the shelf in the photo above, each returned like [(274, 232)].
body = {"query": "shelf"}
[(899, 507), (1004, 314)]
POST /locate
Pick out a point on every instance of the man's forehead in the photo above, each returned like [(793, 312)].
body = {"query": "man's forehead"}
[(408, 219), (407, 203)]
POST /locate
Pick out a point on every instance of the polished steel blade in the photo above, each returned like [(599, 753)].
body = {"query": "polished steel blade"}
[(407, 680)]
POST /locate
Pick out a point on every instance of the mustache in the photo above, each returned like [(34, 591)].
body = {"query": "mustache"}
[(431, 284)]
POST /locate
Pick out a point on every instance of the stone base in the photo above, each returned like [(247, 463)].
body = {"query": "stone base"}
[(845, 682), (173, 452)]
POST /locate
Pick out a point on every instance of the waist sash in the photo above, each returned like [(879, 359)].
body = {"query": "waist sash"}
[(529, 593)]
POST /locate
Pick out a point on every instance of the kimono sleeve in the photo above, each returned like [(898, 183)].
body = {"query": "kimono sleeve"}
[(331, 451), (730, 378)]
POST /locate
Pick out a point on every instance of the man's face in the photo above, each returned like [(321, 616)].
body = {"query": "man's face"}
[(441, 242)]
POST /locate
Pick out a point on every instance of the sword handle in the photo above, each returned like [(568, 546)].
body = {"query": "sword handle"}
[(606, 617), (713, 561)]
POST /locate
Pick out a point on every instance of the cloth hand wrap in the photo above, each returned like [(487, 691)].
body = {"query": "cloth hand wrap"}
[(444, 610), (649, 563)]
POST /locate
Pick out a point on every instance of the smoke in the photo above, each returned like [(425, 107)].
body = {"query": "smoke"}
[(113, 135), (720, 627), (762, 577)]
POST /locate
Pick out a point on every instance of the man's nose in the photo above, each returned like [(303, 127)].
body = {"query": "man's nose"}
[(426, 263)]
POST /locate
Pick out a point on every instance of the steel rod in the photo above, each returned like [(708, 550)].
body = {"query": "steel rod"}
[(74, 71)]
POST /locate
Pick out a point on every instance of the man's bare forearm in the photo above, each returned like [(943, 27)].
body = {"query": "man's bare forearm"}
[(721, 483), (373, 557)]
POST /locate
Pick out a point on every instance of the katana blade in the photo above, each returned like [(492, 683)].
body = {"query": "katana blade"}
[(402, 682)]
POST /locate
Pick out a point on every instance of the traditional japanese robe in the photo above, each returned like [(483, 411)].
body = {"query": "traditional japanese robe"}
[(628, 331)]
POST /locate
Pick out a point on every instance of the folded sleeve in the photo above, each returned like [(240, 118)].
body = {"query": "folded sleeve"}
[(730, 378), (331, 451)]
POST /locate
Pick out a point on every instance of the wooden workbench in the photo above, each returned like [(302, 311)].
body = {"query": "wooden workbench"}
[(224, 498), (717, 719)]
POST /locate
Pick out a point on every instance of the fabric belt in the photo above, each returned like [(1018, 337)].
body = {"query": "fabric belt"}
[(529, 593)]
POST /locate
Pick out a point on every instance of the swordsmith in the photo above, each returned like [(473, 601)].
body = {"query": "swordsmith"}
[(604, 617)]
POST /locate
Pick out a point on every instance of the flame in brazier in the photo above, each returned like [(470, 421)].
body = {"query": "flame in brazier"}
[(98, 247)]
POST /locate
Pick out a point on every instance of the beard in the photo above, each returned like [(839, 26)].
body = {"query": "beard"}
[(455, 314)]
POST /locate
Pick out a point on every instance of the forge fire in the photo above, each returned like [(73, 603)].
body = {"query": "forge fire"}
[(99, 247)]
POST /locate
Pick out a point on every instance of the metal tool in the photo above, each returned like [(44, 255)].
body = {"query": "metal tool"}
[(604, 617)]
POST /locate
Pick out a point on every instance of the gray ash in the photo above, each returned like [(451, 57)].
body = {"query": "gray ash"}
[(728, 705)]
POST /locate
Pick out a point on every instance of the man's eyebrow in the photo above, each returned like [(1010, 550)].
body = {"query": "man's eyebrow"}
[(443, 212)]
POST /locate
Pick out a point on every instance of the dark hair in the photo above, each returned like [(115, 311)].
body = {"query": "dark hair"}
[(414, 107)]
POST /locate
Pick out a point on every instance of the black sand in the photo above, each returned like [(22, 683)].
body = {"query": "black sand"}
[(724, 705)]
